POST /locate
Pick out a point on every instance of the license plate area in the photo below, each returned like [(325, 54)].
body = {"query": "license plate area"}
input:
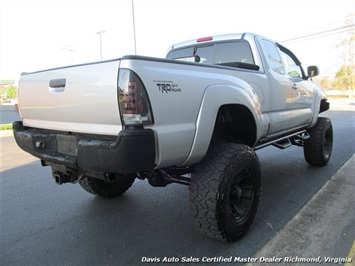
[(67, 145)]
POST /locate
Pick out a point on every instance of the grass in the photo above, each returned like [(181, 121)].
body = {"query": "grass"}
[(5, 126)]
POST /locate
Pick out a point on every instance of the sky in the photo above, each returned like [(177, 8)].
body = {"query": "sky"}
[(41, 34)]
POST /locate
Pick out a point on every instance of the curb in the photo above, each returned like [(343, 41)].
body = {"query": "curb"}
[(321, 230)]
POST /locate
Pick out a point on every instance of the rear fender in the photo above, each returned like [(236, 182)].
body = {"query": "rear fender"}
[(214, 97)]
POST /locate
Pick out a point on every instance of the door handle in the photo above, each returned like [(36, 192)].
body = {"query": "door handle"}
[(57, 85), (294, 86)]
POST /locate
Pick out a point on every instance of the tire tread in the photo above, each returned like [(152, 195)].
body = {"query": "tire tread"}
[(204, 190)]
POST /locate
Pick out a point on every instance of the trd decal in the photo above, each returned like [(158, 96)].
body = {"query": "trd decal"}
[(167, 86)]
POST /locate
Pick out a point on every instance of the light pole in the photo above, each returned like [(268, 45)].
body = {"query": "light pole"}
[(134, 29), (100, 33)]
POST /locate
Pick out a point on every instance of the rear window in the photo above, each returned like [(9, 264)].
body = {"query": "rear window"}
[(225, 53), (233, 52), (181, 53)]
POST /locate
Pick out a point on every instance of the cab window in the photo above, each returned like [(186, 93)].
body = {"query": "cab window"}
[(205, 54), (230, 52), (292, 69), (273, 57), (225, 53), (181, 53)]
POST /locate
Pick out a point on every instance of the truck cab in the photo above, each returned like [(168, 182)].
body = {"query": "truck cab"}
[(287, 95)]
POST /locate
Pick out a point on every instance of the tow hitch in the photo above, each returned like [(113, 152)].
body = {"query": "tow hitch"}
[(61, 178)]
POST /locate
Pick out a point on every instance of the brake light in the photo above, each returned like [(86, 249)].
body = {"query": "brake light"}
[(204, 39), (133, 99)]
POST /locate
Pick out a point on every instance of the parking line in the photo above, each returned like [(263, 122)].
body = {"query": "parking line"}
[(6, 133), (351, 255)]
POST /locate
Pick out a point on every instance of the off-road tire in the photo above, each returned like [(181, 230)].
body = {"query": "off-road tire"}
[(225, 191), (98, 187), (318, 148)]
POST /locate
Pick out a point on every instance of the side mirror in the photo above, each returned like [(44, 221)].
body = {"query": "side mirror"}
[(312, 71)]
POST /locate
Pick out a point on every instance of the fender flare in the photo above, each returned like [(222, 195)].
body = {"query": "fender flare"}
[(214, 97), (318, 98)]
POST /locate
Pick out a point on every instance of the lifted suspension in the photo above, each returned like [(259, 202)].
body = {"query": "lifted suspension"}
[(156, 178), (164, 177)]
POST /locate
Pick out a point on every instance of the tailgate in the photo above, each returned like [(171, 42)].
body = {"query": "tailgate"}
[(81, 98)]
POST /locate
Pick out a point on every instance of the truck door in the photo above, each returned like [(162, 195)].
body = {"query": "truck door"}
[(302, 89), (281, 95)]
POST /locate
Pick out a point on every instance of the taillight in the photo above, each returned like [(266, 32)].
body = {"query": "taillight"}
[(133, 99)]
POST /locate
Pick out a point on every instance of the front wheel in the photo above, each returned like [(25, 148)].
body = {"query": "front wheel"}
[(225, 191), (98, 187), (318, 148)]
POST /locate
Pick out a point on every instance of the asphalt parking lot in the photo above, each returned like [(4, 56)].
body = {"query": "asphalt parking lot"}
[(305, 212), (8, 114)]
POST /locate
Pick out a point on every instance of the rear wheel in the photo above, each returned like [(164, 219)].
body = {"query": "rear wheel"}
[(98, 187), (318, 148), (225, 191)]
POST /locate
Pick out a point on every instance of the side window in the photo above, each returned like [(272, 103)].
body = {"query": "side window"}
[(273, 57), (291, 67)]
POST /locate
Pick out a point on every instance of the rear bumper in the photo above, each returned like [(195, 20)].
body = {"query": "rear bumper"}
[(133, 150)]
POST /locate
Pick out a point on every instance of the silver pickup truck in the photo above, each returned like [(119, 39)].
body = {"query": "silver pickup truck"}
[(195, 118)]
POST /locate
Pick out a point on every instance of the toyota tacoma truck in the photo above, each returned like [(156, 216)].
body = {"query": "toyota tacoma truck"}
[(195, 118)]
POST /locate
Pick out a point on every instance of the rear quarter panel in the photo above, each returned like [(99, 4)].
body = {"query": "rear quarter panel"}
[(177, 106)]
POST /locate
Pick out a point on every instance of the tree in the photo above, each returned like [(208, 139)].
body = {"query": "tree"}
[(11, 92), (324, 82), (345, 77)]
